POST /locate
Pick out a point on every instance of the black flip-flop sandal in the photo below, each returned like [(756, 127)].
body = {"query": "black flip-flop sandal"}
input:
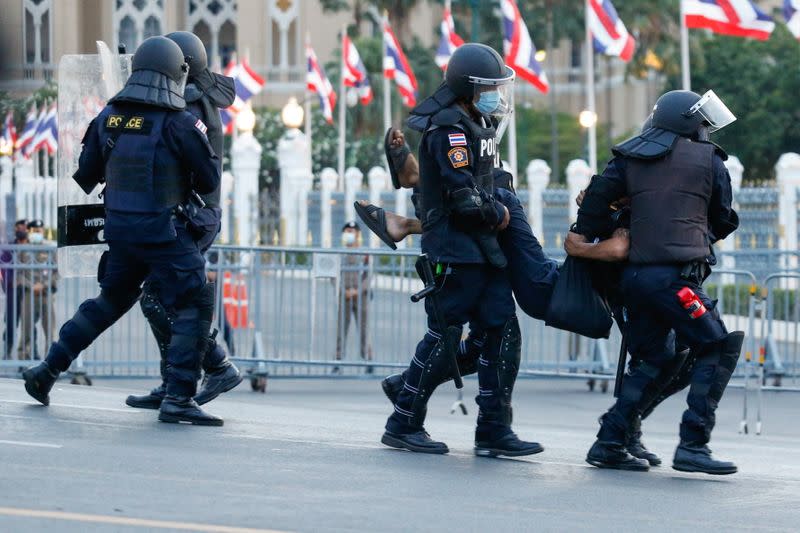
[(377, 223), (395, 157)]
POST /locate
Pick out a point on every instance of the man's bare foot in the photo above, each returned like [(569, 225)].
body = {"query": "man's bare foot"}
[(398, 227)]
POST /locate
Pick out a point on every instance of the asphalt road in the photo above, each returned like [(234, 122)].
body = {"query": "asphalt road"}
[(306, 457)]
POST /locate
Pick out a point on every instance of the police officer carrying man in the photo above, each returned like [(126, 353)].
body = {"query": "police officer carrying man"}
[(151, 154), (460, 217), (206, 92), (680, 196)]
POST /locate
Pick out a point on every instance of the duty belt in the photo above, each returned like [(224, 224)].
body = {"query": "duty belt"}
[(696, 271)]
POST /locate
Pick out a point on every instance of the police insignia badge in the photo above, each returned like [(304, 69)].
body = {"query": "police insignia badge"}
[(458, 157), (200, 126)]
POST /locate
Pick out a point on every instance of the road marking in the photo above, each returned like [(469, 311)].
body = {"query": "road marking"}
[(75, 406), (125, 521), (31, 444), (68, 421)]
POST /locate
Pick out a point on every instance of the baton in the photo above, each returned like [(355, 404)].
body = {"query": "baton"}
[(430, 291)]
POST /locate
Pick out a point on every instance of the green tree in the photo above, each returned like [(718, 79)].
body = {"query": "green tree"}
[(759, 81)]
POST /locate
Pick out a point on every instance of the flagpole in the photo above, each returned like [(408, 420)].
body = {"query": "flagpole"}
[(342, 101), (387, 89), (685, 66), (307, 102), (590, 104)]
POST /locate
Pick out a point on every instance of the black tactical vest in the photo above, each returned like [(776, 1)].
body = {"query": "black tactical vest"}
[(484, 155), (669, 204)]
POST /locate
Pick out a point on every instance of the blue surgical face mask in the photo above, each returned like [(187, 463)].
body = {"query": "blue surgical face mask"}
[(36, 238), (488, 102)]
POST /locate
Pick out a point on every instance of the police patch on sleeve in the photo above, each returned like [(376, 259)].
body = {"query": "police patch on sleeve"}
[(459, 157), (200, 126)]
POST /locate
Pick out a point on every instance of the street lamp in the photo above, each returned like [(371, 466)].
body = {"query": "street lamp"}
[(246, 120), (540, 55), (292, 114), (587, 119)]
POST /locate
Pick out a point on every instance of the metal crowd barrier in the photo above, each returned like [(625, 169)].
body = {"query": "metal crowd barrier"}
[(313, 312)]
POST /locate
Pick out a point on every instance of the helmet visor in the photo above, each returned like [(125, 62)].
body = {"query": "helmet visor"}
[(714, 111), (494, 96)]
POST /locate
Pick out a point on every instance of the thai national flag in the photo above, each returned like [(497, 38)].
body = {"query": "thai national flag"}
[(519, 49), (28, 131), (318, 82), (10, 130), (396, 67), (47, 132), (791, 10), (355, 73), (740, 18), (449, 41), (248, 84), (38, 131), (609, 33)]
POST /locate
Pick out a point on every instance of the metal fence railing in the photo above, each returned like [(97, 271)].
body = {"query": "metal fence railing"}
[(319, 312)]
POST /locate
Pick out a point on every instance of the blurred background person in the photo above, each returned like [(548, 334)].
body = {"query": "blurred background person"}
[(10, 289), (353, 295), (37, 283)]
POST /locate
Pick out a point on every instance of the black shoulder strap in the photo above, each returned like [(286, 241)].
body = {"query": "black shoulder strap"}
[(111, 142)]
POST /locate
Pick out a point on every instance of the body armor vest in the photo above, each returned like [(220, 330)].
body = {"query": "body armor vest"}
[(669, 204), (143, 176), (484, 156), (443, 238)]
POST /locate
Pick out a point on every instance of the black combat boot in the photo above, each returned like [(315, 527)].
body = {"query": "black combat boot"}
[(39, 381), (154, 398), (636, 447), (508, 445), (175, 409), (220, 374), (148, 401), (696, 457), (614, 456), (429, 368), (497, 376), (419, 441), (710, 376)]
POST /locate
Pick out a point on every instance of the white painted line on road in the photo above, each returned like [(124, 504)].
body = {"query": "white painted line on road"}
[(31, 444), (76, 406), (125, 521), (68, 421)]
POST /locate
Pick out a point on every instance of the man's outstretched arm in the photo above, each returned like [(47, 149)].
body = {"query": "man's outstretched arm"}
[(611, 250)]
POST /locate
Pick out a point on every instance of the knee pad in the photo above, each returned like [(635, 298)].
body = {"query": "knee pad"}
[(157, 316)]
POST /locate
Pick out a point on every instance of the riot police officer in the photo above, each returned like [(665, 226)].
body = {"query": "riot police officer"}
[(206, 92), (150, 154), (681, 198), (460, 217)]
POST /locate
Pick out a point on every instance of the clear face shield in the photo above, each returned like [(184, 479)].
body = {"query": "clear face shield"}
[(495, 99), (714, 111), (184, 79)]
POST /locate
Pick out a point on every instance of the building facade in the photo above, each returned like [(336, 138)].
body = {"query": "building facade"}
[(34, 34)]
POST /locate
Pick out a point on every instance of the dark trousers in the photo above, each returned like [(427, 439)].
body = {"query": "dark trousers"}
[(176, 270), (531, 273), (478, 294), (655, 319)]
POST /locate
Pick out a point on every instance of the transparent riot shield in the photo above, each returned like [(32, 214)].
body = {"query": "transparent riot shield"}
[(85, 83)]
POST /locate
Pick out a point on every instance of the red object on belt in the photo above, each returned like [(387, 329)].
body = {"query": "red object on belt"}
[(691, 302)]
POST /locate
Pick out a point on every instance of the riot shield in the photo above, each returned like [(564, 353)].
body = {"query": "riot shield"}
[(85, 83)]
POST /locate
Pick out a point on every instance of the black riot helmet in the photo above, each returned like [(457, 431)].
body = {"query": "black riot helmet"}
[(687, 113), (194, 52), (473, 66), (158, 76)]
